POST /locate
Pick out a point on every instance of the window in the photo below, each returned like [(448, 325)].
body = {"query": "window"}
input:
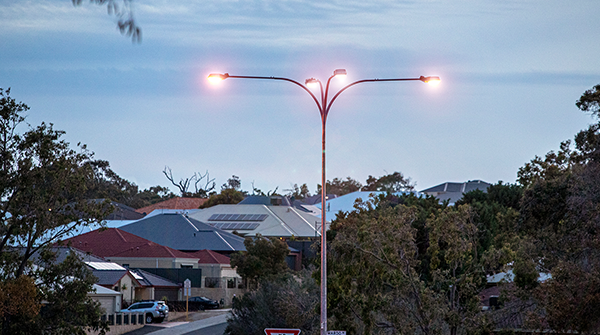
[(212, 282), (231, 283), (185, 266)]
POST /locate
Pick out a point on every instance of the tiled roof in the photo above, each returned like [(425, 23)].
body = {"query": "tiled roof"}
[(173, 203), (210, 257), (114, 242)]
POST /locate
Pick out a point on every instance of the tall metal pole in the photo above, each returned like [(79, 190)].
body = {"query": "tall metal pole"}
[(324, 107), (323, 235)]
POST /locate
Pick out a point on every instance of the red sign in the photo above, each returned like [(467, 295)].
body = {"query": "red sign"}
[(281, 331)]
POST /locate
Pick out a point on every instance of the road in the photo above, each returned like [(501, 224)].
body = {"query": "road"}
[(212, 330)]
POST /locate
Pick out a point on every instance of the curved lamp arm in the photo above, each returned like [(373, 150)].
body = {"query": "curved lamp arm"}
[(219, 76), (421, 78)]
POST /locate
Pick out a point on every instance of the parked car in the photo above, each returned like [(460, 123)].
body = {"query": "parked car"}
[(154, 311), (204, 302)]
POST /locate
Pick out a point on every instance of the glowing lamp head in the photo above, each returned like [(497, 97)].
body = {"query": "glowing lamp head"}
[(312, 82), (340, 73), (431, 80), (217, 77)]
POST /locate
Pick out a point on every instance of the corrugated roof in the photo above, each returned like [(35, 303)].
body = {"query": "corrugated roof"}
[(173, 203), (104, 266), (149, 279), (108, 277), (182, 233), (280, 221), (454, 191)]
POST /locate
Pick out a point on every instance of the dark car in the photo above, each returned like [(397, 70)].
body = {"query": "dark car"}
[(204, 303)]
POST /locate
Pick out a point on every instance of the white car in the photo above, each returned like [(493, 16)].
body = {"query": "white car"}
[(154, 311)]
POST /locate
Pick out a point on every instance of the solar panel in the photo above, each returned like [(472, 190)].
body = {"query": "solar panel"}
[(236, 225), (238, 217)]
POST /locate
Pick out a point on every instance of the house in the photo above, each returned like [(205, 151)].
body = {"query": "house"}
[(160, 270), (267, 216), (178, 203), (131, 251), (109, 300), (219, 279), (153, 287), (454, 191), (117, 278), (183, 233)]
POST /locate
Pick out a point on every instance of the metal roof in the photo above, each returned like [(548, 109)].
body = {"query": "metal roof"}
[(180, 232), (279, 221)]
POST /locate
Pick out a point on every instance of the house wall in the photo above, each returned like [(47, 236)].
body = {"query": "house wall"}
[(171, 294), (227, 271), (129, 291), (210, 270), (157, 263), (145, 293), (109, 303)]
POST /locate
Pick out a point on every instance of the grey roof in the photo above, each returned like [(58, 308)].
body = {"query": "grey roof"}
[(63, 251), (454, 191), (264, 200), (316, 199), (150, 279), (108, 277), (180, 232), (279, 221)]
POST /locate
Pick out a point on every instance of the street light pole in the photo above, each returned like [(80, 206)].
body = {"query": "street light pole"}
[(324, 105)]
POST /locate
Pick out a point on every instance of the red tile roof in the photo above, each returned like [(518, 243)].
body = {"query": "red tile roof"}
[(210, 257), (173, 203), (114, 242)]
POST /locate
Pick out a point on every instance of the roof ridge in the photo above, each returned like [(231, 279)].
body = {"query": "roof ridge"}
[(118, 231)]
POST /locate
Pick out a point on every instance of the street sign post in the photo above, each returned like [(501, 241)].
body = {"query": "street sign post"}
[(281, 331), (187, 291)]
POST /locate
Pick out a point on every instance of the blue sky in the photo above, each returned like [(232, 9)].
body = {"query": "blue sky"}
[(511, 73)]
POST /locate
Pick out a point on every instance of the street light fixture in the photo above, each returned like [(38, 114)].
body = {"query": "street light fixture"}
[(324, 105)]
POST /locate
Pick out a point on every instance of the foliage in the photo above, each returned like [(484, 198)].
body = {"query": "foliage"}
[(263, 259), (123, 13), (590, 101), (560, 216), (391, 183), (377, 280), (107, 184), (495, 214), (232, 183), (289, 302), (340, 187), (298, 192), (228, 196), (43, 183), (153, 195)]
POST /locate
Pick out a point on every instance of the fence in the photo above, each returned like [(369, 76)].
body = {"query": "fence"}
[(121, 323)]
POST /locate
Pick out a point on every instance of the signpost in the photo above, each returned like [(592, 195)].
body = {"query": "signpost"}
[(281, 331), (187, 291)]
